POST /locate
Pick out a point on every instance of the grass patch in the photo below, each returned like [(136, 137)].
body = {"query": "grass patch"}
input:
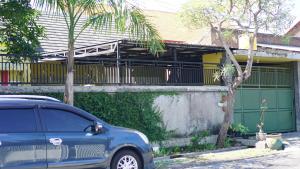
[(184, 149)]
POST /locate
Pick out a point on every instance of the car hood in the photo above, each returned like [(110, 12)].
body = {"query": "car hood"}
[(124, 129)]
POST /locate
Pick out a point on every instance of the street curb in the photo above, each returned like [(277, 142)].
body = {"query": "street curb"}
[(202, 152), (205, 163)]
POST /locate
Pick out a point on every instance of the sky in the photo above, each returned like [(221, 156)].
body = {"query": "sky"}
[(174, 5), (162, 5)]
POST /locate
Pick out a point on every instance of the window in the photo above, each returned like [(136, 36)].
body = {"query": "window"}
[(17, 121), (64, 121)]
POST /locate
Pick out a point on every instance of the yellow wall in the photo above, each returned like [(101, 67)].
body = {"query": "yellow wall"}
[(212, 58), (50, 72), (211, 62), (17, 71), (14, 76), (2, 46), (55, 72), (244, 42), (171, 27)]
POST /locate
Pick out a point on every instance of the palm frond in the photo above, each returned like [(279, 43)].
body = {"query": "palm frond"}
[(85, 7), (53, 7), (117, 15), (142, 30), (120, 16)]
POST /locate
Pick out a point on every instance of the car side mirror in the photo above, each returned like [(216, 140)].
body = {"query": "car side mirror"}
[(97, 127)]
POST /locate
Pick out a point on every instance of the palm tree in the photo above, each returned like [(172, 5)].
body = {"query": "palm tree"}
[(117, 15)]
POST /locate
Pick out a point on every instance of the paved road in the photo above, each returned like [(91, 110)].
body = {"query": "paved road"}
[(287, 159)]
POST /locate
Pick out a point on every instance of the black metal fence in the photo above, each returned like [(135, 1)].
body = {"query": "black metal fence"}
[(110, 71)]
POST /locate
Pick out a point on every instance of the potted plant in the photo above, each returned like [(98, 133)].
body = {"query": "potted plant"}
[(237, 130), (261, 135)]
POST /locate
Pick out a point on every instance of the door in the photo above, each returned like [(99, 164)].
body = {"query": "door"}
[(4, 78), (275, 85), (70, 142), (21, 144), (279, 117)]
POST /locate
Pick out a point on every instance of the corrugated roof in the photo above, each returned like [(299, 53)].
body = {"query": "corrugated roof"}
[(169, 25), (280, 47), (57, 34)]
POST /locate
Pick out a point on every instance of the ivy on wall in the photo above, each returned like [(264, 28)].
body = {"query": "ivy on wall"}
[(126, 109)]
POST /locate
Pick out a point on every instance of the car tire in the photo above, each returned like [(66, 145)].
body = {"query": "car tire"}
[(125, 158)]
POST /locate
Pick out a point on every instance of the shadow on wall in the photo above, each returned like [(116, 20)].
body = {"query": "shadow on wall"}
[(190, 112)]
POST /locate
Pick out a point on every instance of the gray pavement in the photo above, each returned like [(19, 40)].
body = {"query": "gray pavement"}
[(293, 139), (287, 159)]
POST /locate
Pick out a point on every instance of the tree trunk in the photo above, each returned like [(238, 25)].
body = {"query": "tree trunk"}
[(228, 117), (69, 91)]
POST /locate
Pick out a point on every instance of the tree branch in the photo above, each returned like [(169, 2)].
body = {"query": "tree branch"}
[(248, 69), (227, 49)]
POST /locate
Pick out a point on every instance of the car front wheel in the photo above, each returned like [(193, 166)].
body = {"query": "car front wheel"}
[(126, 159)]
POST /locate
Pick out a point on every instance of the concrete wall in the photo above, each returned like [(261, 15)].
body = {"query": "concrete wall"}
[(188, 112), (191, 108)]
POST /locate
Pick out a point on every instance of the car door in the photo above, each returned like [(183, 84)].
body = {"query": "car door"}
[(22, 145), (70, 141)]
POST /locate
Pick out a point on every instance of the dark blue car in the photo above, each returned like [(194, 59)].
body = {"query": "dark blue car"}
[(41, 132)]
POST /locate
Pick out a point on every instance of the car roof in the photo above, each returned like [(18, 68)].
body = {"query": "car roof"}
[(21, 101), (26, 100), (31, 97), (30, 103)]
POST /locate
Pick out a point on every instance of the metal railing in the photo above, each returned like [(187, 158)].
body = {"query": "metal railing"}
[(270, 76), (110, 71)]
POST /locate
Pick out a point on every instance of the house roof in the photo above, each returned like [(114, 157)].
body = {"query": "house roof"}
[(293, 31), (280, 47), (171, 27), (57, 34), (168, 24), (278, 40)]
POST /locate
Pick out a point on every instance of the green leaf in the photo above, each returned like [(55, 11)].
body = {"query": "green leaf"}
[(112, 15), (20, 33)]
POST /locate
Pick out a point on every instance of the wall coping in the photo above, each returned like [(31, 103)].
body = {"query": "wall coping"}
[(111, 89)]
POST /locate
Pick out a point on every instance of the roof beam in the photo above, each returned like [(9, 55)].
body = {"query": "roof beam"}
[(97, 50)]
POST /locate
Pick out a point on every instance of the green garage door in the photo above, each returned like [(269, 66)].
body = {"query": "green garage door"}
[(275, 85)]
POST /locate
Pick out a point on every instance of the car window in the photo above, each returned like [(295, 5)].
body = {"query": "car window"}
[(17, 120), (64, 121)]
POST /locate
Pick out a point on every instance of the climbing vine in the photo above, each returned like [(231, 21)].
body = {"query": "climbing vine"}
[(126, 109)]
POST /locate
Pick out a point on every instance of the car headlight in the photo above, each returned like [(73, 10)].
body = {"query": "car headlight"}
[(143, 136)]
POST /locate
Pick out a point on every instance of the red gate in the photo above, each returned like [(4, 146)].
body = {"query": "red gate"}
[(4, 78)]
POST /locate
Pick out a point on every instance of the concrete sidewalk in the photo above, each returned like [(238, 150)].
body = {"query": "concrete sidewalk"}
[(293, 139), (247, 158)]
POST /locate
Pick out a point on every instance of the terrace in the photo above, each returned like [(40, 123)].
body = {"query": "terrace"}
[(118, 63)]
